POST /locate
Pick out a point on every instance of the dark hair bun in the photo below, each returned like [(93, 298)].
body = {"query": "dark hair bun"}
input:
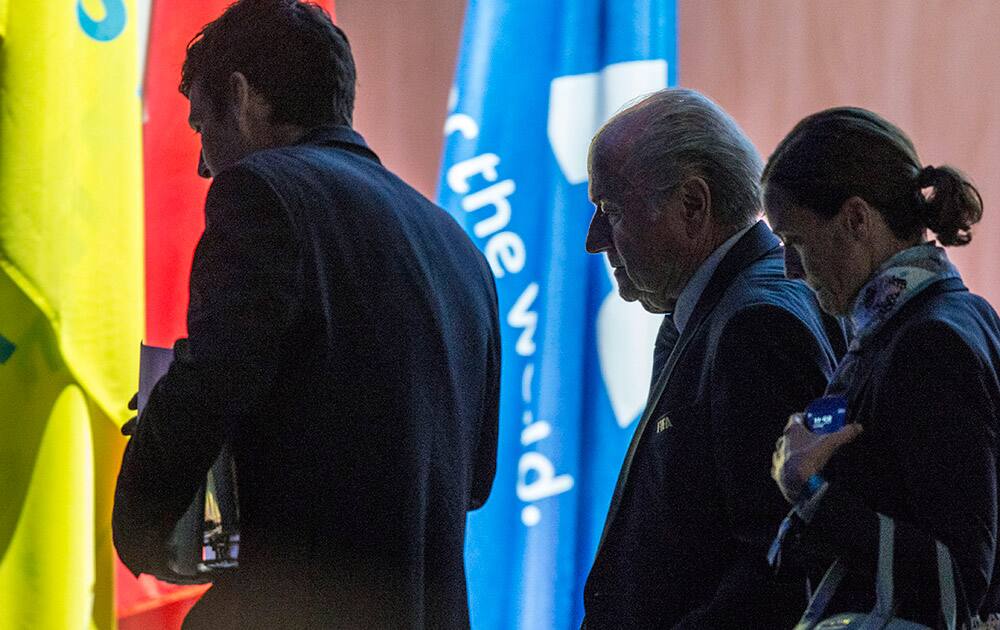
[(843, 152), (954, 204)]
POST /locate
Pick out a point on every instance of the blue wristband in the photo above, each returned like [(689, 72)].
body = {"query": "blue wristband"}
[(810, 498), (813, 484)]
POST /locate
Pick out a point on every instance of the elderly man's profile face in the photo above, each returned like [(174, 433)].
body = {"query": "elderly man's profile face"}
[(644, 237)]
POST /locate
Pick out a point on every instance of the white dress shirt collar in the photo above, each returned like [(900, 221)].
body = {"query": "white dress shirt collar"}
[(689, 297)]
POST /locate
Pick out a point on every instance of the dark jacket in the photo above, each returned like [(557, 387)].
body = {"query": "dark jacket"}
[(695, 508), (344, 338), (925, 387)]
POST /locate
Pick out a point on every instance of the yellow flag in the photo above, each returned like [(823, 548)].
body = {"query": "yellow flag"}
[(70, 300)]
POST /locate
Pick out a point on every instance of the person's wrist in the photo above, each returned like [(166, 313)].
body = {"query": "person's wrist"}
[(810, 497), (811, 486)]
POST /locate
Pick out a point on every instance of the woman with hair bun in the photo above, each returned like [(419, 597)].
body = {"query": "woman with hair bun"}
[(847, 193)]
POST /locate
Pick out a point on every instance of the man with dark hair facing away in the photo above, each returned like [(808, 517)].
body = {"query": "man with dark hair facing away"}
[(343, 341)]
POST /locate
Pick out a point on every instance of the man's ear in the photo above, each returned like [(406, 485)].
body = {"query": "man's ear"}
[(251, 109), (857, 216), (696, 201)]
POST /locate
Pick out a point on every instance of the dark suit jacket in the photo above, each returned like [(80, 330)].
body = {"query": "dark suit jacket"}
[(926, 389), (695, 508), (344, 338)]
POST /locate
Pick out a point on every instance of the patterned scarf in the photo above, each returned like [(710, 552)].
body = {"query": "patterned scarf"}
[(895, 283)]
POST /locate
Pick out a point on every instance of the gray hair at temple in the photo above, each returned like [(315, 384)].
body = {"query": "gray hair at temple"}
[(679, 133)]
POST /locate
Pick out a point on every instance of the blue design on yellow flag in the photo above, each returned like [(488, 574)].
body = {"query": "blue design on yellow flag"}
[(535, 80), (108, 28), (70, 301), (6, 349)]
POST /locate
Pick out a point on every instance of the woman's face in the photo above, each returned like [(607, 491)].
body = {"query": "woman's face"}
[(821, 251)]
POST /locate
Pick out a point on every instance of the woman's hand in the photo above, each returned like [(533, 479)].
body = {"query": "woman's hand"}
[(799, 453)]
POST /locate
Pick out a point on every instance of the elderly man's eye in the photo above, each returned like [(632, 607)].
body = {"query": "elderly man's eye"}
[(609, 210)]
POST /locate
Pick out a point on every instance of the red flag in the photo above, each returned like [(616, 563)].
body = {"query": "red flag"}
[(174, 197)]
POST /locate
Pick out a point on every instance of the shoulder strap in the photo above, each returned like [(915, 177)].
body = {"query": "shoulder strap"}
[(884, 596), (946, 582), (821, 598)]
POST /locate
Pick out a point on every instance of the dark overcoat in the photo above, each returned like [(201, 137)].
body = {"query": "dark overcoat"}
[(344, 339), (695, 509)]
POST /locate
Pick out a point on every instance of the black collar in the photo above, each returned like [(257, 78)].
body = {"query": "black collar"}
[(759, 241), (342, 135)]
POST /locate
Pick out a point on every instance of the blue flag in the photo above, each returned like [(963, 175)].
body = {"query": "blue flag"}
[(535, 81)]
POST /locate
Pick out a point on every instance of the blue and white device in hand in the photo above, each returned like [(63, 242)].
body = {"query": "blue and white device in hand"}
[(827, 414)]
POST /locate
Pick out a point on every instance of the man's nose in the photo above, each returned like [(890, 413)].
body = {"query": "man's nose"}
[(598, 236), (793, 264), (202, 167)]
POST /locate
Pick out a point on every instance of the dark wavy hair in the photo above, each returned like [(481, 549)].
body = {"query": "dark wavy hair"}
[(844, 152), (289, 51)]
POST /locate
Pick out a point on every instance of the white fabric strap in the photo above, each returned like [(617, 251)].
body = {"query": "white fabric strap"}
[(946, 582), (884, 578), (882, 614), (821, 598)]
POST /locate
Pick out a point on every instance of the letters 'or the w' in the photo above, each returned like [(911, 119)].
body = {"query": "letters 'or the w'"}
[(577, 359)]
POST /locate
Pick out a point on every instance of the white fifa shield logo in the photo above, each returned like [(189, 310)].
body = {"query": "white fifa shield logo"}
[(578, 106)]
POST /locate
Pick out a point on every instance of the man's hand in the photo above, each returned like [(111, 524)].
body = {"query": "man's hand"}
[(129, 427), (799, 453)]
